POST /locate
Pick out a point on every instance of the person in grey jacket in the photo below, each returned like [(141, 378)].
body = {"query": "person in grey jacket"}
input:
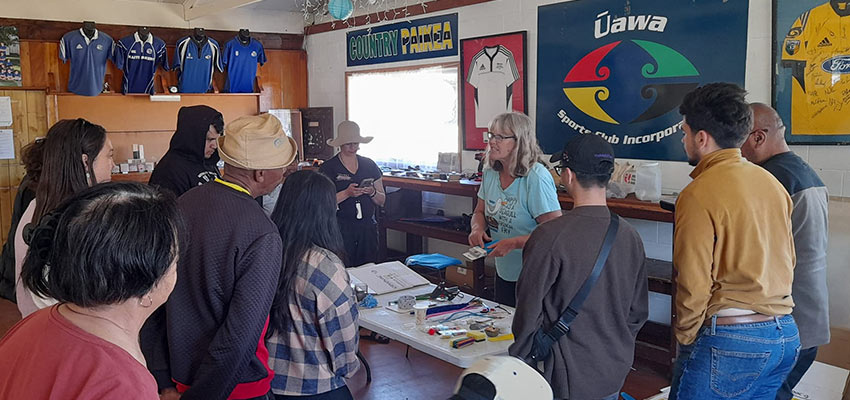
[(766, 146), (594, 358)]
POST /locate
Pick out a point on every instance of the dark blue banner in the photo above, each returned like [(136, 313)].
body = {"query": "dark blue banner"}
[(620, 68), (415, 40)]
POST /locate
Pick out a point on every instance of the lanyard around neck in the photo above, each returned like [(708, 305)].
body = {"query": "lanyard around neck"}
[(233, 186)]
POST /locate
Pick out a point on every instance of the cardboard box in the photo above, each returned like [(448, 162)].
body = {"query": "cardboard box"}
[(462, 276)]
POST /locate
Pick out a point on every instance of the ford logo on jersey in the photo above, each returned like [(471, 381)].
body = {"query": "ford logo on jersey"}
[(837, 65)]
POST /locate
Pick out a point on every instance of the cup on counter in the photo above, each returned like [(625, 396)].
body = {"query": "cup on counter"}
[(421, 311), (360, 291)]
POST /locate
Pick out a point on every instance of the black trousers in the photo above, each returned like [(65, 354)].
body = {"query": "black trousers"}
[(337, 394), (804, 361), (361, 241), (505, 292)]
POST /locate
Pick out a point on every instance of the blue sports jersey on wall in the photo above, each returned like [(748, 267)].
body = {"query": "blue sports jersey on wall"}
[(88, 60), (196, 64), (138, 59), (241, 61)]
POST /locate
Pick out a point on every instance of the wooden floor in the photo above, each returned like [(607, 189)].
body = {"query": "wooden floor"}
[(422, 377), (418, 377)]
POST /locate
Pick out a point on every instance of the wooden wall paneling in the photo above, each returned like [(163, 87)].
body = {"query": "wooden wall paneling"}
[(54, 30), (284, 77), (136, 113)]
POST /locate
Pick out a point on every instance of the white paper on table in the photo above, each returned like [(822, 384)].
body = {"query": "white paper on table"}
[(6, 111), (387, 277), (7, 144), (821, 382)]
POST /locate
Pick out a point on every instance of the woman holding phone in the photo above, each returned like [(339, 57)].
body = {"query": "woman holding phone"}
[(359, 191)]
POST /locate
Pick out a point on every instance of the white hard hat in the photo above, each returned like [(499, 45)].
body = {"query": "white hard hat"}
[(501, 378)]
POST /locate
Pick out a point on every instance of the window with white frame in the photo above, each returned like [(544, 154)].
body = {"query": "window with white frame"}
[(411, 112)]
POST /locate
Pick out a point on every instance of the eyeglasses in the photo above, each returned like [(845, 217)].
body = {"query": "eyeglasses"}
[(498, 138), (558, 169)]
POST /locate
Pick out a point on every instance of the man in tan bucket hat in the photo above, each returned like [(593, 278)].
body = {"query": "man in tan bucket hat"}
[(229, 268)]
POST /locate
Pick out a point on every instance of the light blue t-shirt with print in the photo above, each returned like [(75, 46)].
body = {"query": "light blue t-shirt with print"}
[(511, 212)]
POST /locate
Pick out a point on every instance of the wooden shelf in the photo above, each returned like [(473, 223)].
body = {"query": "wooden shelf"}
[(462, 188), (428, 230), (141, 177), (159, 94), (629, 207)]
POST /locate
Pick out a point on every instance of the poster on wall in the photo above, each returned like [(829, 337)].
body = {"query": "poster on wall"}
[(811, 70), (404, 41), (620, 68), (493, 69), (10, 57)]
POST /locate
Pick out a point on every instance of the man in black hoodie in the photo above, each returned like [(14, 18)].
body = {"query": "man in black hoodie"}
[(190, 161), (193, 153)]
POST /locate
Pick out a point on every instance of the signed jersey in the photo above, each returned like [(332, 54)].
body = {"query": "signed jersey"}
[(818, 45)]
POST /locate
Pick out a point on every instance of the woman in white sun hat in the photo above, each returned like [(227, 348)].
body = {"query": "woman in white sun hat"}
[(359, 191)]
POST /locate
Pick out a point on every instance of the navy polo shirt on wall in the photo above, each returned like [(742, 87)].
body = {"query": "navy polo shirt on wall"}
[(196, 64), (138, 59), (241, 61), (88, 60)]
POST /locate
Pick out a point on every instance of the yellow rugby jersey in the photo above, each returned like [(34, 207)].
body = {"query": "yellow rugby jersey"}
[(817, 48)]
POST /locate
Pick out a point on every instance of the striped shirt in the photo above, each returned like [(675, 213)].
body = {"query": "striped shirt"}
[(318, 350)]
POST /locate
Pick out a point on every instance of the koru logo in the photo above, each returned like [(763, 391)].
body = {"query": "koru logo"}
[(237, 53), (792, 46), (664, 75), (207, 56), (99, 47), (253, 54), (150, 51)]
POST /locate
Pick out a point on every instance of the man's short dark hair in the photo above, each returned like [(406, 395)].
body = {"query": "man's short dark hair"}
[(590, 181), (720, 110), (218, 123)]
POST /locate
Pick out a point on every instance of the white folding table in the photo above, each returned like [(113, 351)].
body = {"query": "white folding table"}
[(402, 327)]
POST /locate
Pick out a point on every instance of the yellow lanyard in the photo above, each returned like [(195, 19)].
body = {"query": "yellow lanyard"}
[(233, 186)]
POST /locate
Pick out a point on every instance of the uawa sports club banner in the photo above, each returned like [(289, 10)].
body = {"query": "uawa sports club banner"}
[(620, 68), (413, 40)]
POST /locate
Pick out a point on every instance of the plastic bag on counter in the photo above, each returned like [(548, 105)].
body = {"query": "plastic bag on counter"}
[(622, 180)]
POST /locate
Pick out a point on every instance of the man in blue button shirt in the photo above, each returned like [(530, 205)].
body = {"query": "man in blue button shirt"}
[(88, 50)]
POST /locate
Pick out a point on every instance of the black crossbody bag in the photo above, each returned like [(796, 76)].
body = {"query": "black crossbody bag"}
[(545, 338)]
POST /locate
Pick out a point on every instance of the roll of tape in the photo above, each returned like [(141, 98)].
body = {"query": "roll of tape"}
[(406, 302)]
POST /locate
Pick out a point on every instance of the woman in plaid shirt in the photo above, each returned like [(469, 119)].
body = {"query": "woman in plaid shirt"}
[(313, 332)]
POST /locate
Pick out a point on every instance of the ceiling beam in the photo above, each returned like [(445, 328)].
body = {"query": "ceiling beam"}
[(403, 13), (195, 11)]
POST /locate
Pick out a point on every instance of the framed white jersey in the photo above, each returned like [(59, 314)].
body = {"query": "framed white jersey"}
[(492, 71)]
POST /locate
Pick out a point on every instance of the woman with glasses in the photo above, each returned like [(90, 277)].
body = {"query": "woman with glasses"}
[(517, 193), (108, 255), (76, 154)]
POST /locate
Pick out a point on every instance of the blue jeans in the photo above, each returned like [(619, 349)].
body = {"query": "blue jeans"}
[(745, 361)]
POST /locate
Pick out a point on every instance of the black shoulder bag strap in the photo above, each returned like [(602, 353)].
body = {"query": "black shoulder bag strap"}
[(545, 338)]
